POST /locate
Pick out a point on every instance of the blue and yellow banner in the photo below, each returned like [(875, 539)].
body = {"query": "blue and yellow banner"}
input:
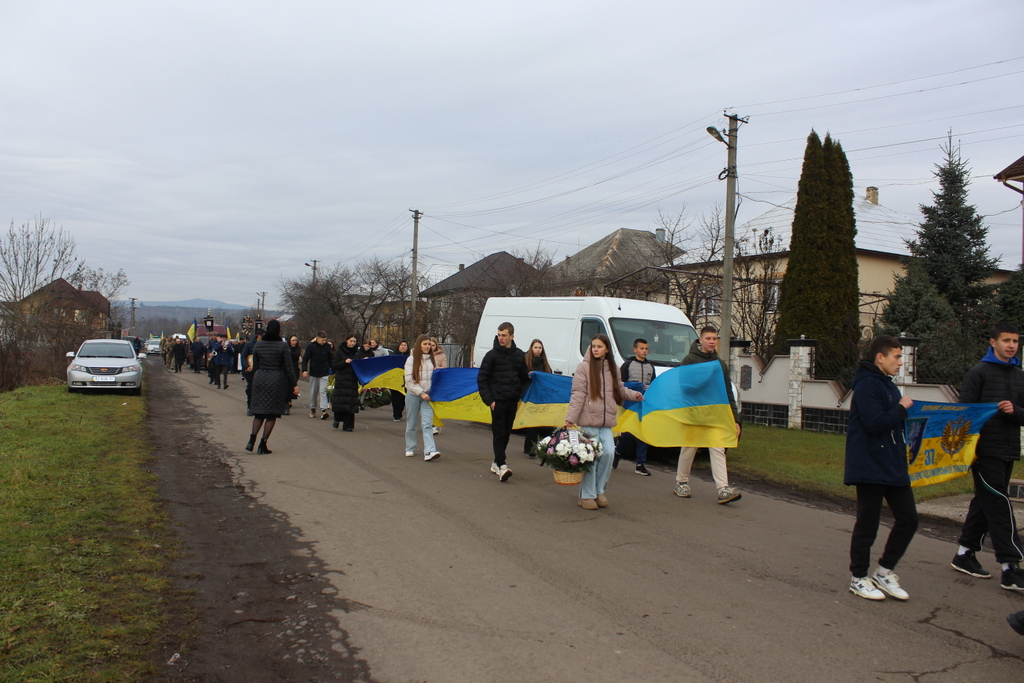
[(545, 403), (941, 438), (454, 396), (684, 406), (381, 372)]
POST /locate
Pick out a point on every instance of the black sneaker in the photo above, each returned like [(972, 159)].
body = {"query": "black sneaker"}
[(1013, 579), (642, 471), (615, 461), (968, 564), (1016, 622)]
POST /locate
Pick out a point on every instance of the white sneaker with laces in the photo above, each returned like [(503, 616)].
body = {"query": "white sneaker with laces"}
[(504, 473), (890, 584), (434, 455), (495, 468), (865, 588), (409, 454)]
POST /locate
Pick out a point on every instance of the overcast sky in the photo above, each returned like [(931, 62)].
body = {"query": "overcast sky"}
[(212, 148)]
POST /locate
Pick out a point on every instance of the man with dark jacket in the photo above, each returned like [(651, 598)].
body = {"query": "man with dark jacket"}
[(198, 355), (179, 351), (705, 350), (635, 369), (501, 380), (996, 379), (876, 463), (316, 365)]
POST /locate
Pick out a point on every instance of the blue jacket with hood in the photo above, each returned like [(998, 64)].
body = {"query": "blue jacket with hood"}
[(876, 450)]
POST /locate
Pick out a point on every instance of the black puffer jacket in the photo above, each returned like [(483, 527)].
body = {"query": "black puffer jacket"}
[(317, 359), (503, 374), (992, 381), (346, 386)]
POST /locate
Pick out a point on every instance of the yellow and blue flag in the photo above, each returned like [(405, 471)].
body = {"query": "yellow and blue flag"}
[(685, 406), (381, 372), (454, 396), (941, 439), (545, 403)]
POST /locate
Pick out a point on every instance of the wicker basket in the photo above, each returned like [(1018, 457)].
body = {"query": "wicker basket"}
[(567, 478)]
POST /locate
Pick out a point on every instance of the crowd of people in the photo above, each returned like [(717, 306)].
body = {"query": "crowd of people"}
[(876, 456)]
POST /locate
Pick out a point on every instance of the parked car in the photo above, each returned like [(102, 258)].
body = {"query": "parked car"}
[(152, 346), (105, 364)]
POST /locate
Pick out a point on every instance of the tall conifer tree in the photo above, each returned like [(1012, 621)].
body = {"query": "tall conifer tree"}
[(819, 295)]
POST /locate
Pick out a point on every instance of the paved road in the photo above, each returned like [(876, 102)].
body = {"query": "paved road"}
[(457, 577)]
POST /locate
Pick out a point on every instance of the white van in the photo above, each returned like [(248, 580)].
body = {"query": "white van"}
[(566, 325)]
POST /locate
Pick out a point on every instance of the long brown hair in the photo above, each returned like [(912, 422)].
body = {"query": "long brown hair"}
[(606, 366), (543, 356), (417, 356)]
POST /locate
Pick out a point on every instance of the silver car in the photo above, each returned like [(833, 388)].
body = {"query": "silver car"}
[(105, 364)]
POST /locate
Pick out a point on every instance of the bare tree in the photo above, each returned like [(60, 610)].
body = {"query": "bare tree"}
[(109, 284), (756, 291)]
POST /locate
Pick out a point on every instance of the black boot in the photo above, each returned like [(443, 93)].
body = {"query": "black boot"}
[(252, 442), (263, 450)]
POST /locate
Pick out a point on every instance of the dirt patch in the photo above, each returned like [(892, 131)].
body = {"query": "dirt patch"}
[(256, 602)]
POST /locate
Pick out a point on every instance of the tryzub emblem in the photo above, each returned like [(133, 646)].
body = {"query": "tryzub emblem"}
[(954, 436)]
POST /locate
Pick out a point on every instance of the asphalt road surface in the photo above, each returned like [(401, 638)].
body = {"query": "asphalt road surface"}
[(452, 576)]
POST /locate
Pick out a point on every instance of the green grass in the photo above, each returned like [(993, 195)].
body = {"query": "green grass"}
[(83, 543), (813, 463)]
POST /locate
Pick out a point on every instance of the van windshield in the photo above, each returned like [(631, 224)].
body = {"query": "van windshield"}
[(668, 342)]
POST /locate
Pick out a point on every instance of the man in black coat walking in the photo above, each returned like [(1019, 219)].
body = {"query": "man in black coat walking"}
[(501, 379), (996, 379)]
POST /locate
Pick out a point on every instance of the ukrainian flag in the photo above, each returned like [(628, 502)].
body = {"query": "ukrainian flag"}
[(381, 372), (685, 406), (546, 402), (454, 396), (941, 439)]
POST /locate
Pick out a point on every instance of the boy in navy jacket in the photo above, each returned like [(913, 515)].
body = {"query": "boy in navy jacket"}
[(876, 463)]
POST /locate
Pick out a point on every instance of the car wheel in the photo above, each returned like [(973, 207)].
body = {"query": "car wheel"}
[(72, 390), (137, 391)]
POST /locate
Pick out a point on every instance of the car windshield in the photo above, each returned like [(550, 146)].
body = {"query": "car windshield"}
[(668, 343), (106, 350)]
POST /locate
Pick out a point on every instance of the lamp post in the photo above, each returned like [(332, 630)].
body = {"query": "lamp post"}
[(729, 175)]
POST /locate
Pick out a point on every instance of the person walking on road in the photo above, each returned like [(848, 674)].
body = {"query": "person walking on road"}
[(316, 365), (597, 393), (876, 463), (705, 350), (346, 385), (198, 355), (397, 397), (536, 361), (996, 379), (272, 382), (635, 369), (180, 351), (501, 380), (419, 368), (223, 359)]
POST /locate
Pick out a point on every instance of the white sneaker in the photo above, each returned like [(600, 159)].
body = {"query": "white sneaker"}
[(432, 456), (436, 430), (865, 588), (409, 454), (504, 473), (495, 468), (890, 584)]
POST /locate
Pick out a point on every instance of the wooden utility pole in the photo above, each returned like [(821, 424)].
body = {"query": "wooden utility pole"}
[(414, 285)]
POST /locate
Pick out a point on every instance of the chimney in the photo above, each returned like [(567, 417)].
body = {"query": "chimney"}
[(659, 234), (461, 266), (872, 195)]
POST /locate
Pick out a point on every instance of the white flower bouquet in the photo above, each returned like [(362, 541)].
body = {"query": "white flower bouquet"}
[(568, 450)]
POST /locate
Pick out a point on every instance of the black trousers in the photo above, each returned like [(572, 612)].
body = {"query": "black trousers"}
[(397, 404), (220, 371), (502, 418), (869, 511), (347, 420), (990, 511)]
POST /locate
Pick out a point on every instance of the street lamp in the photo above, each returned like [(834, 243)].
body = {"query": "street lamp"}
[(729, 175)]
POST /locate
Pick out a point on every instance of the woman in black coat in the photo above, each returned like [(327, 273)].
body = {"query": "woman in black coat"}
[(397, 397), (273, 381), (345, 401)]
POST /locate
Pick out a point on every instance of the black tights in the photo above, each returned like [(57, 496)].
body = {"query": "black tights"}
[(266, 423)]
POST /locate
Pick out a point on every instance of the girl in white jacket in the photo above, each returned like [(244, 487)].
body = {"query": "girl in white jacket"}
[(418, 370)]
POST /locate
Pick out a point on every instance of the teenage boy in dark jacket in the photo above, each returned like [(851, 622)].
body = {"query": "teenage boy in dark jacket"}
[(501, 380), (316, 365), (996, 379), (635, 369), (876, 463)]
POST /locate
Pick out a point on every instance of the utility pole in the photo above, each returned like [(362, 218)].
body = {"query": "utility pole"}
[(728, 246), (131, 326), (313, 266), (262, 301), (413, 286)]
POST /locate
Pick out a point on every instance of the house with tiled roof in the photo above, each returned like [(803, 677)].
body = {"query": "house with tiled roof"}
[(64, 300), (613, 256)]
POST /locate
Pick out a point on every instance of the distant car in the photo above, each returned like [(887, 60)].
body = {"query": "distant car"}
[(105, 364), (152, 346)]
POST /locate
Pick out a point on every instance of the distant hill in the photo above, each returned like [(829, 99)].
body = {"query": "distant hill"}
[(194, 303), (157, 319)]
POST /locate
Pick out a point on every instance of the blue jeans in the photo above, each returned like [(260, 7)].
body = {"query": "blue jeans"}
[(595, 480), (422, 414)]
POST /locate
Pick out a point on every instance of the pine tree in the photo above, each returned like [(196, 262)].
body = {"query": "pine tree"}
[(1010, 299), (819, 294), (952, 242)]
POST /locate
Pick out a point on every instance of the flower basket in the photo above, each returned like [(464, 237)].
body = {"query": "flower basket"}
[(567, 478), (569, 453)]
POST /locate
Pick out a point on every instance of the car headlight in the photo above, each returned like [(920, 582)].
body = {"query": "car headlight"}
[(80, 368), (130, 368)]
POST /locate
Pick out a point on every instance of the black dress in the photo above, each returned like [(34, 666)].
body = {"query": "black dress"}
[(272, 379), (345, 401)]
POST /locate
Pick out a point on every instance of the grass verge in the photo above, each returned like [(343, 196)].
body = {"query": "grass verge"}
[(813, 462), (84, 544)]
